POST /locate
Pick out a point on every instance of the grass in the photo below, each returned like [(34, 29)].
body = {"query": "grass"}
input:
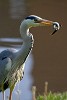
[(48, 95), (53, 96)]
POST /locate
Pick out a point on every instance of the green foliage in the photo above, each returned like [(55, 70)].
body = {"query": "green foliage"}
[(40, 97), (53, 96)]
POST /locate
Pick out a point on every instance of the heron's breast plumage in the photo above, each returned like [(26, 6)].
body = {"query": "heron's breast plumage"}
[(17, 76)]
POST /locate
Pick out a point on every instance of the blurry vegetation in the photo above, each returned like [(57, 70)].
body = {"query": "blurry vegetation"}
[(53, 96), (50, 95)]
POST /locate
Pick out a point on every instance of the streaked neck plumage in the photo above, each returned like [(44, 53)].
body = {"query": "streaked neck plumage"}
[(22, 54), (26, 47), (27, 37)]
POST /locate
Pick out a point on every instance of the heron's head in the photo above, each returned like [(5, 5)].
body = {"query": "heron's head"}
[(34, 21)]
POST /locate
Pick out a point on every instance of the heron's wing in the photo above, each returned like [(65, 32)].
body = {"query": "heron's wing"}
[(5, 66), (7, 53), (6, 58)]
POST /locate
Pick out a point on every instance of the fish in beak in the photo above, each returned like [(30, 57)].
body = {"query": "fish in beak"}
[(56, 25)]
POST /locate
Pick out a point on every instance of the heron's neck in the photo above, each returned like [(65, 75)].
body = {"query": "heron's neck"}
[(27, 45), (27, 37), (22, 54), (24, 30)]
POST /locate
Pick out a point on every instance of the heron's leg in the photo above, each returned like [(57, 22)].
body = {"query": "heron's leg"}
[(3, 95), (3, 92), (11, 90), (10, 96)]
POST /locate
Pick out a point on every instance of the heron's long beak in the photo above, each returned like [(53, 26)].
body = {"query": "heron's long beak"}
[(46, 22)]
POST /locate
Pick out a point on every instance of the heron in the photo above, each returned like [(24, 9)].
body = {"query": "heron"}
[(12, 61)]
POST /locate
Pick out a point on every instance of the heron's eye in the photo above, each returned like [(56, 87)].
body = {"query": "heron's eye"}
[(35, 20)]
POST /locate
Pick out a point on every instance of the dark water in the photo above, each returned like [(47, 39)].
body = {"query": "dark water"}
[(50, 52)]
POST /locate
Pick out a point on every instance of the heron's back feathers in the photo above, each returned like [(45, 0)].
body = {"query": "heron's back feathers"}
[(7, 53), (6, 61), (5, 65)]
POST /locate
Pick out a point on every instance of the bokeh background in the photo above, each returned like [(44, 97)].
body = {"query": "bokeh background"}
[(49, 52)]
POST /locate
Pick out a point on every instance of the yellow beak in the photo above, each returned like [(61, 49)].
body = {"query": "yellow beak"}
[(46, 22)]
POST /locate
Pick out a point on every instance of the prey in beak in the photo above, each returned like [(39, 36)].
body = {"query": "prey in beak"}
[(56, 25), (38, 21)]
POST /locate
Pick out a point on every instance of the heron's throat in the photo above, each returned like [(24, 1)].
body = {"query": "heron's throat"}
[(27, 45), (25, 49)]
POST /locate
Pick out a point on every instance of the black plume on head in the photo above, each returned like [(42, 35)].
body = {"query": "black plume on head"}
[(31, 17)]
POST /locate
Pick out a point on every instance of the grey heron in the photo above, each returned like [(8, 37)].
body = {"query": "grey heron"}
[(12, 61)]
